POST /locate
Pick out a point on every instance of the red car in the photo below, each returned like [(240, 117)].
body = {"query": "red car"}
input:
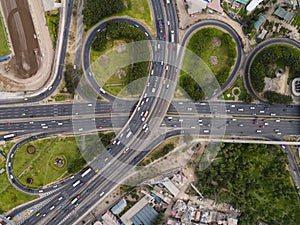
[(261, 126)]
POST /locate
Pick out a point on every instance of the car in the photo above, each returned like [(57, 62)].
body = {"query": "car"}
[(147, 128), (118, 142), (168, 22), (153, 90), (241, 125), (52, 207), (114, 142), (80, 129), (276, 130), (59, 124), (264, 120), (261, 111), (136, 25), (143, 119), (189, 109), (227, 110), (232, 106), (31, 122), (206, 131), (233, 119), (90, 105), (252, 107), (55, 186), (277, 121), (192, 127), (261, 126), (272, 114), (145, 125), (125, 150), (147, 99), (174, 125), (44, 215), (9, 164), (60, 198), (38, 214), (142, 113), (162, 63), (167, 86), (200, 124), (25, 99), (278, 133), (108, 149), (240, 109), (41, 191), (283, 146), (152, 72), (180, 120), (138, 109), (266, 124), (200, 120), (142, 103), (258, 131), (105, 159)]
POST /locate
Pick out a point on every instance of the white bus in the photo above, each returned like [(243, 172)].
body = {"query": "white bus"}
[(86, 172), (102, 91), (76, 183), (8, 136), (74, 200)]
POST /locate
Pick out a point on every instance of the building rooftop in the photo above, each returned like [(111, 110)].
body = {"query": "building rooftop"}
[(145, 216), (283, 14), (171, 187), (215, 5), (119, 206), (195, 6), (259, 22), (244, 2), (252, 5)]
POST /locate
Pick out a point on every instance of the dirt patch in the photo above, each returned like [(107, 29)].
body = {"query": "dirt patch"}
[(213, 60), (120, 73), (279, 83), (23, 36), (121, 47), (103, 60), (216, 42)]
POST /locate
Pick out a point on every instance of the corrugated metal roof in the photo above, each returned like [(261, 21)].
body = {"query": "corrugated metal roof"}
[(145, 216), (283, 14), (259, 22), (119, 206), (244, 2)]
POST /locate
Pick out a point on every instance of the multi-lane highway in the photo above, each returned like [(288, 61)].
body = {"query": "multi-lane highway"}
[(141, 123)]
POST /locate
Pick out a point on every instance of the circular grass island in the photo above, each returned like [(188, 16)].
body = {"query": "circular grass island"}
[(112, 55), (217, 51), (272, 70)]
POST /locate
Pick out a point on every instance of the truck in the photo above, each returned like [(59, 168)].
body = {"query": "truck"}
[(76, 183), (172, 38), (86, 172), (102, 91), (7, 136)]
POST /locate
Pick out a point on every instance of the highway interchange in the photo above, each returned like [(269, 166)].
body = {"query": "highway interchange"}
[(221, 119)]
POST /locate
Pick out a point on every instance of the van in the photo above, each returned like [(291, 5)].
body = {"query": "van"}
[(153, 90)]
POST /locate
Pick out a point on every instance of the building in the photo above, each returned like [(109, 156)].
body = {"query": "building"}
[(262, 34), (50, 5), (145, 216), (126, 218), (252, 5), (215, 5), (119, 207), (259, 22), (108, 219), (296, 86), (244, 2), (283, 14), (195, 6), (171, 187)]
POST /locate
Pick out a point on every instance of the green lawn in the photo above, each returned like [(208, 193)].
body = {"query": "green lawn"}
[(253, 178), (207, 62), (9, 196), (39, 166), (4, 49), (52, 19), (296, 20), (243, 95), (139, 9), (105, 74)]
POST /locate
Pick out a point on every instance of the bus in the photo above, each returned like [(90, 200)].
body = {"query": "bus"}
[(74, 200), (102, 91), (76, 183), (86, 172), (8, 136)]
